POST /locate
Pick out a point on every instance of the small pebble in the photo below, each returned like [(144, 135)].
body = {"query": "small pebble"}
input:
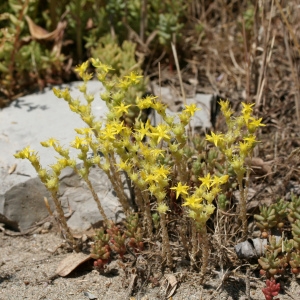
[(47, 225), (90, 295)]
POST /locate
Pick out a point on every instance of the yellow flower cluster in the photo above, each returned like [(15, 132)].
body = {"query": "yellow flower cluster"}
[(200, 201), (240, 139)]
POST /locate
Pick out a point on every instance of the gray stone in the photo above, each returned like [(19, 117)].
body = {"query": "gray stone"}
[(245, 250), (252, 248), (28, 121), (260, 246), (24, 203), (47, 225), (77, 200)]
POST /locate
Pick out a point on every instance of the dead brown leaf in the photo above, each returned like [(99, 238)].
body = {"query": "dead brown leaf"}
[(71, 262), (172, 285), (39, 33)]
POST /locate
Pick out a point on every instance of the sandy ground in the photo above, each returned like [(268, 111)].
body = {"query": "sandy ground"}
[(27, 266)]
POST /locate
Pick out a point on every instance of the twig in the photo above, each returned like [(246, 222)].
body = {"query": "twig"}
[(178, 72), (262, 75)]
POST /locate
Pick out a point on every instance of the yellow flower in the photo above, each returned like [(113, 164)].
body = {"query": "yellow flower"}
[(87, 76), (215, 191), (126, 166), (134, 77), (151, 177), (193, 202), (220, 180), (124, 84), (161, 131), (63, 162), (43, 174), (202, 218), (118, 126), (144, 149), (82, 68), (244, 148), (52, 142), (145, 129), (56, 168), (89, 98), (159, 107), (122, 108), (84, 130), (57, 92), (78, 142), (25, 153), (65, 94), (215, 138), (180, 189), (247, 108), (191, 109), (224, 105), (238, 165), (108, 132), (99, 65), (227, 114), (254, 124), (161, 171), (251, 140), (157, 152), (145, 103), (52, 183), (206, 181)]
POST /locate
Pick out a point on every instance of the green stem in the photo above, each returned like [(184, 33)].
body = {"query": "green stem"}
[(194, 244), (182, 229), (69, 237), (243, 208), (148, 217), (205, 252), (96, 198), (165, 241)]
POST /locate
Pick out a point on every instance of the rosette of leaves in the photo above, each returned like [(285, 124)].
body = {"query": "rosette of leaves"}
[(272, 263), (272, 216)]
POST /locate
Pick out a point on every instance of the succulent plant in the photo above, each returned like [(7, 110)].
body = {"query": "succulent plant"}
[(295, 263), (294, 209), (100, 249), (271, 290), (272, 216), (267, 218), (270, 264), (134, 232)]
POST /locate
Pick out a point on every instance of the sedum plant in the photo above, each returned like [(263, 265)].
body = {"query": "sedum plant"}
[(157, 159), (237, 146)]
